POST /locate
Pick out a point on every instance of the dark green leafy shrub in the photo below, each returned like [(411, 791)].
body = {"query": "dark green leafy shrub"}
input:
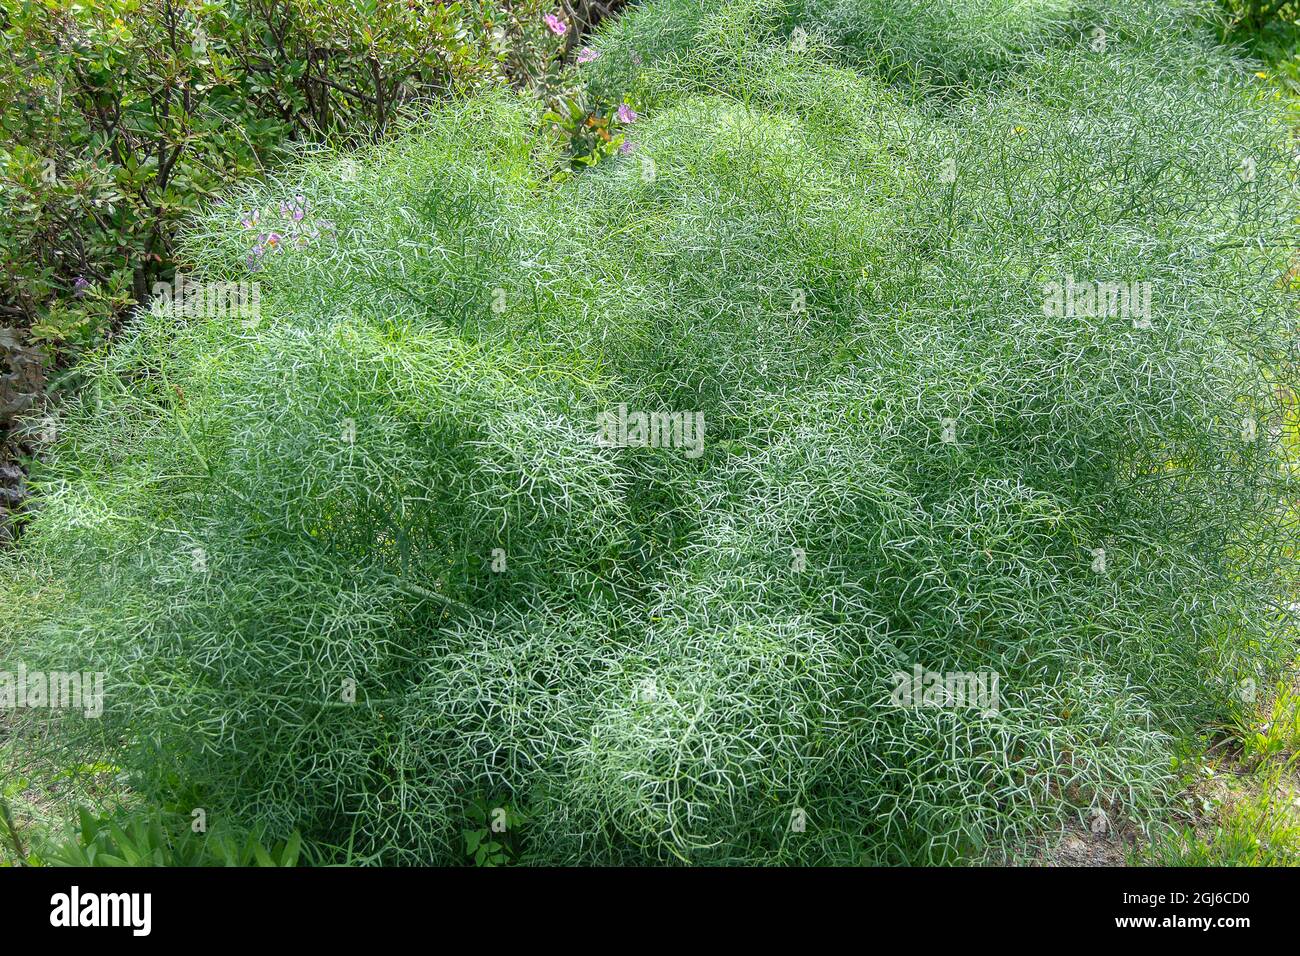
[(1258, 14), (122, 120), (152, 840)]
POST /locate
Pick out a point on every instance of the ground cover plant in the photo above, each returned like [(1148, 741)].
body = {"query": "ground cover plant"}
[(976, 323)]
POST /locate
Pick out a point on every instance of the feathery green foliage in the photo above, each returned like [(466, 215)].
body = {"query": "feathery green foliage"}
[(908, 459)]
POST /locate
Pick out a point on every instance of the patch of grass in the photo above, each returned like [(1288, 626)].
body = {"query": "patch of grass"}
[(1240, 791), (1275, 732), (1258, 828), (35, 799)]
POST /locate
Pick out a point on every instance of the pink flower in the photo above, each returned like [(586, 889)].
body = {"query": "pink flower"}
[(252, 219), (555, 24), (294, 210), (626, 114), (587, 54)]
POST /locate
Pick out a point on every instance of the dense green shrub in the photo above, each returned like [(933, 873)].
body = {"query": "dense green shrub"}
[(937, 44), (122, 119), (1257, 14), (948, 43), (359, 568)]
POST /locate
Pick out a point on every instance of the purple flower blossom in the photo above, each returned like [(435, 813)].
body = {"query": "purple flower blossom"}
[(252, 219), (587, 54), (80, 286), (626, 148), (294, 210), (555, 24), (626, 114)]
